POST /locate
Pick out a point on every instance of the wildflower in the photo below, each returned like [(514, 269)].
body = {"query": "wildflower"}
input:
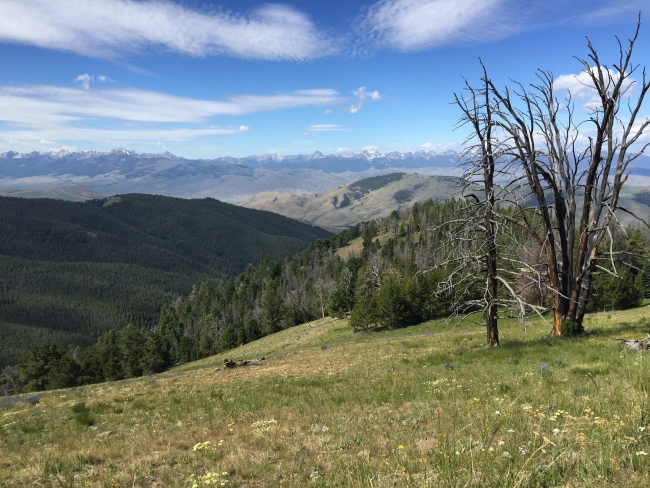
[(262, 426), (209, 479), (641, 429), (552, 419), (527, 407), (641, 453), (510, 431), (501, 443), (505, 454), (400, 446), (203, 447), (556, 431)]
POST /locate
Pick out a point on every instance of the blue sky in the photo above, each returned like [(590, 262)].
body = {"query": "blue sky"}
[(207, 79)]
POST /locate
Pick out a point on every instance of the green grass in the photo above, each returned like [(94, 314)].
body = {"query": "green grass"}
[(423, 406)]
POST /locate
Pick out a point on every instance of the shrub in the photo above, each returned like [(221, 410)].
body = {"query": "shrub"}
[(83, 414), (364, 315), (570, 328)]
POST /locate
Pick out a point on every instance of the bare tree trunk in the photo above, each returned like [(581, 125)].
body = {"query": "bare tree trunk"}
[(479, 115), (491, 309)]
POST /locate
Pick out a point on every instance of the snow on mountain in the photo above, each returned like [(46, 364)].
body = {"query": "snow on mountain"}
[(277, 158)]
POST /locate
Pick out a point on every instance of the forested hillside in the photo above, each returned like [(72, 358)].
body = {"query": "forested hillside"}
[(71, 271), (381, 274)]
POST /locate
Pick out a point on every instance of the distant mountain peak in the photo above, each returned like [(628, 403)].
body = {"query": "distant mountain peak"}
[(63, 153), (367, 154)]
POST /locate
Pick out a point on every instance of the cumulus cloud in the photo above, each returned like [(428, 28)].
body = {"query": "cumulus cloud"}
[(362, 95), (410, 25), (85, 79), (54, 113), (111, 28), (582, 88)]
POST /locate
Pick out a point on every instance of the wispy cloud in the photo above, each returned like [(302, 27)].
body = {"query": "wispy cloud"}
[(325, 128), (312, 129), (410, 25), (110, 28), (53, 113), (41, 104), (414, 25)]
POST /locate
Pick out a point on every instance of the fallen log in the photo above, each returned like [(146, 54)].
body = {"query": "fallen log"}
[(635, 344), (228, 364)]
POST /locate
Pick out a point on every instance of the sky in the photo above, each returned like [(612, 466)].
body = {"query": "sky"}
[(205, 79)]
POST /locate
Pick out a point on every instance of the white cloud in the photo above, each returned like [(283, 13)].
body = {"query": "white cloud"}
[(114, 135), (362, 96), (41, 104), (312, 129), (85, 79), (325, 128), (440, 147), (410, 25), (52, 113), (110, 28), (582, 88), (370, 148)]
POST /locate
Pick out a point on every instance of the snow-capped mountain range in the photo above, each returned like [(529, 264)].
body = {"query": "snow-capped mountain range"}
[(276, 158), (226, 178)]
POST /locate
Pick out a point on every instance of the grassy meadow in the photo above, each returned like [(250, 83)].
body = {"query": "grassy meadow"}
[(422, 406)]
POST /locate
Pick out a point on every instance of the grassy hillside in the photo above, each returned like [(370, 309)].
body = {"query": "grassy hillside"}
[(78, 269), (422, 406), (362, 200), (71, 193), (376, 197)]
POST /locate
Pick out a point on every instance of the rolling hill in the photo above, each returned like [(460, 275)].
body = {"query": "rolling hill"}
[(362, 200), (71, 271), (422, 406), (71, 193)]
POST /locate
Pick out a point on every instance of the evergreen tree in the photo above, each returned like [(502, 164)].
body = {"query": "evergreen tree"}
[(48, 367), (273, 307), (229, 338), (156, 358), (132, 342)]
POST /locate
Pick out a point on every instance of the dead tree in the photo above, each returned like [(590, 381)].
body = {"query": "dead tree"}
[(635, 344), (480, 159), (542, 136)]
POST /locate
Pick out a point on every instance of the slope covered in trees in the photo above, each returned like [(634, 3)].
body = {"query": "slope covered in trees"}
[(71, 271), (381, 273)]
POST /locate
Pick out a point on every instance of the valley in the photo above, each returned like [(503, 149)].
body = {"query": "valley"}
[(69, 271)]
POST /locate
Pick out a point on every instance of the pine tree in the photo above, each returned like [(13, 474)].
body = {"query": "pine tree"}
[(229, 338)]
